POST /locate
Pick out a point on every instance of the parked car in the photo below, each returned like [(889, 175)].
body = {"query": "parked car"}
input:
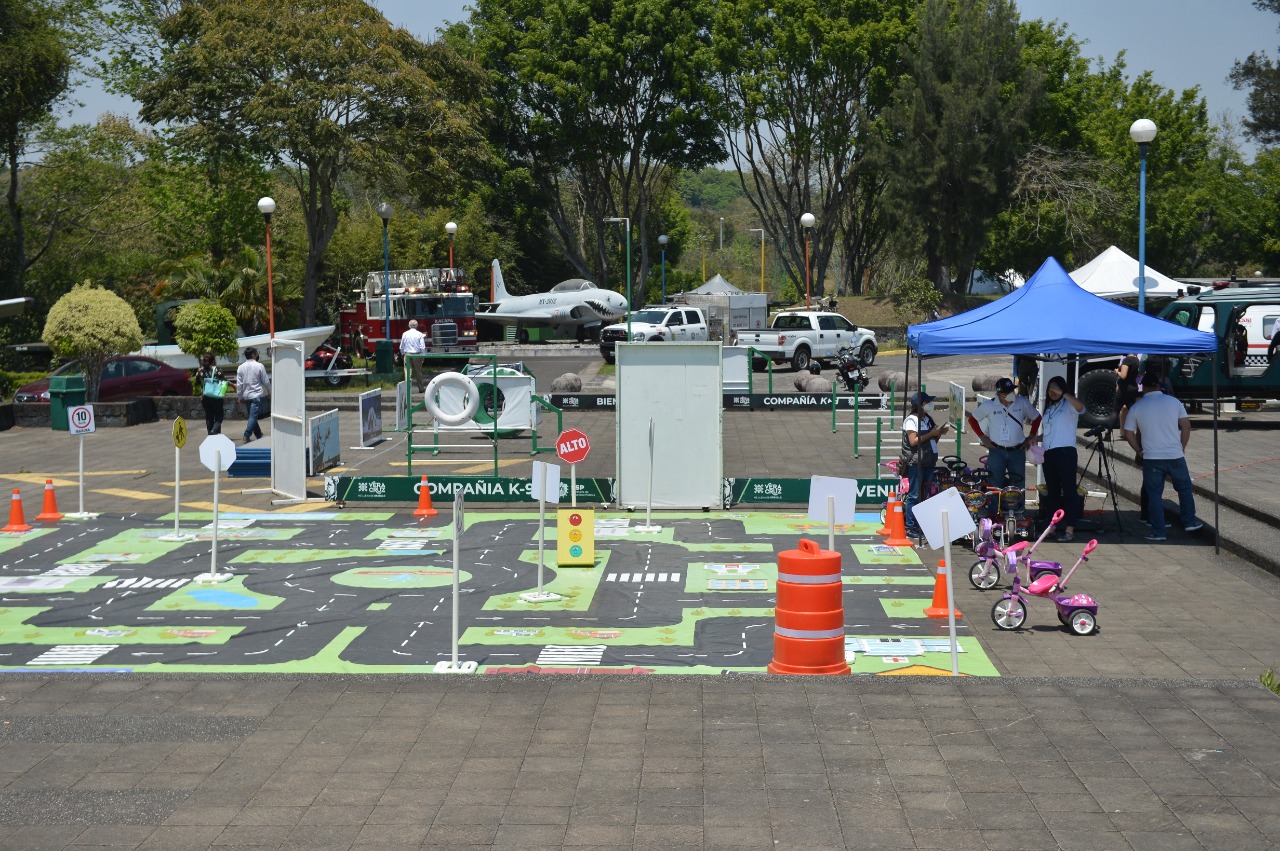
[(125, 377), (800, 336), (655, 324)]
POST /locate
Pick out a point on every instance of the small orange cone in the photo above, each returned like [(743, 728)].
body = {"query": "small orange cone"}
[(424, 501), (17, 520), (50, 513), (898, 527), (888, 512), (940, 602)]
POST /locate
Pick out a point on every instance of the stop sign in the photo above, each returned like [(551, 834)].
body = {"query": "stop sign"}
[(572, 446)]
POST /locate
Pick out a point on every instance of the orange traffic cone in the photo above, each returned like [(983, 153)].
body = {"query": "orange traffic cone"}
[(940, 604), (888, 513), (17, 520), (50, 513), (424, 501), (898, 527)]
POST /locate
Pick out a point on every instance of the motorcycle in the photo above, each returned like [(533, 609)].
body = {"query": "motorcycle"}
[(325, 355), (852, 369)]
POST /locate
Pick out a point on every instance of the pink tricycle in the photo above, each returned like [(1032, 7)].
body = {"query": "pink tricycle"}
[(1078, 612), (985, 573)]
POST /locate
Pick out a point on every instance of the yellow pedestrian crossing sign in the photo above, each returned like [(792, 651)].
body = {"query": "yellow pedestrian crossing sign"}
[(179, 432)]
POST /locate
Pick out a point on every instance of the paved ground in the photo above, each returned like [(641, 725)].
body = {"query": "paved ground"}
[(1152, 734)]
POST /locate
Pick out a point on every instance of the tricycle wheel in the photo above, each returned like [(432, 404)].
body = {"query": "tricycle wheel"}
[(984, 576), (1082, 622), (1008, 613)]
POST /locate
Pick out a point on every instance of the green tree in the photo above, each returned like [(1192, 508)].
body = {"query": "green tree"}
[(321, 87), (91, 325), (237, 283), (960, 122), (804, 83), (1261, 76), (599, 104), (38, 39), (204, 326)]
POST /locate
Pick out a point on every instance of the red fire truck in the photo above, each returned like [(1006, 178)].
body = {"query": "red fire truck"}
[(439, 299)]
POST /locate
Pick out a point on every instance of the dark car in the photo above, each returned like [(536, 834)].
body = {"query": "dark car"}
[(125, 377)]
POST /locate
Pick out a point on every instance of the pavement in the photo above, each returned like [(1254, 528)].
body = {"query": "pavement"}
[(1154, 733)]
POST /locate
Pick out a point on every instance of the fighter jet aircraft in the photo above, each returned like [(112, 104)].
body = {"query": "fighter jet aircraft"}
[(574, 305)]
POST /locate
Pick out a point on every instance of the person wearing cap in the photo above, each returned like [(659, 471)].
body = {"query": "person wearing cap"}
[(252, 387), (1007, 416), (919, 454), (414, 342), (1158, 429)]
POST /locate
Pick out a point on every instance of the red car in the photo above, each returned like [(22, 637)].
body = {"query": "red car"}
[(125, 377)]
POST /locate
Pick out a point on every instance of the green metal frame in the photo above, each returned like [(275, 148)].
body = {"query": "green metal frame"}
[(752, 351), (546, 406)]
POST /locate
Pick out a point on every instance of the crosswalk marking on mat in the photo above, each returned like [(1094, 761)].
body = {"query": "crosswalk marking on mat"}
[(147, 582), (557, 654), (73, 654), (642, 577)]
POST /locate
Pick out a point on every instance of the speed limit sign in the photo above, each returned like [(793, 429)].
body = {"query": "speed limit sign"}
[(80, 419)]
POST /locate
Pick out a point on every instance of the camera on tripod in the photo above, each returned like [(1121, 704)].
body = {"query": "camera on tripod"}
[(1101, 431)]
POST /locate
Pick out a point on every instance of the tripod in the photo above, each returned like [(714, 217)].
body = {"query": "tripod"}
[(1101, 435)]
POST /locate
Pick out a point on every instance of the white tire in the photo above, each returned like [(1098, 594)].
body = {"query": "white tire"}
[(470, 397)]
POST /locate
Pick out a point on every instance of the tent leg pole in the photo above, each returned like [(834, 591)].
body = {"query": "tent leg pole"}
[(1217, 499)]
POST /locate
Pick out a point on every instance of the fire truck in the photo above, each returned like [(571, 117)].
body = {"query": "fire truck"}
[(439, 299)]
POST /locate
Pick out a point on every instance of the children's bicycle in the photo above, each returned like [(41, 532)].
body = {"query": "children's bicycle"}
[(992, 557), (1077, 612)]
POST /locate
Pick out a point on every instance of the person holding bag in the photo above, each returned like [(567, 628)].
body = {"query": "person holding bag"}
[(213, 392), (919, 455)]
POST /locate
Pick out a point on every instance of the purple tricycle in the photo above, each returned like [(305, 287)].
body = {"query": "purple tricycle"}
[(1078, 612), (985, 573)]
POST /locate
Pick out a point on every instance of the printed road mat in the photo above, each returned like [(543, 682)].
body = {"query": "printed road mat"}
[(372, 592)]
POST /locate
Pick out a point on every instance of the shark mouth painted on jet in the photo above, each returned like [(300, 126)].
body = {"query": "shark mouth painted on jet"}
[(602, 308)]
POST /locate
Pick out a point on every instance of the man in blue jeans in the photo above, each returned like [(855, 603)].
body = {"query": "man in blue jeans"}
[(1158, 429), (252, 386), (1006, 443)]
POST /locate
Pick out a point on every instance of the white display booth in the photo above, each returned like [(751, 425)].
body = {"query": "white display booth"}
[(677, 388), (288, 423)]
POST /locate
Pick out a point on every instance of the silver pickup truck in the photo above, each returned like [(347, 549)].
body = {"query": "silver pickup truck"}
[(656, 324), (801, 336)]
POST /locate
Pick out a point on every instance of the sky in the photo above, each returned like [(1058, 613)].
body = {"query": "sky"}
[(1184, 43)]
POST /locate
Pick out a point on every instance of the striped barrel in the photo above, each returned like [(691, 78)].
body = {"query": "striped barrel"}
[(808, 632)]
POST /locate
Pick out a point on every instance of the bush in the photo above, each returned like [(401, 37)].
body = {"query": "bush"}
[(92, 325)]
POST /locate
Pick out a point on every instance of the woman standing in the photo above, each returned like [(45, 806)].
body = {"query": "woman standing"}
[(1060, 420), (919, 455), (213, 405)]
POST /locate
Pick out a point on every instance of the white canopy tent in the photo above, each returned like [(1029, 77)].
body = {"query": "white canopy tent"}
[(1114, 274), (717, 285)]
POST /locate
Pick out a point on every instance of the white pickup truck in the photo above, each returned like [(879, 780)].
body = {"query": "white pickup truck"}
[(656, 324), (801, 336)]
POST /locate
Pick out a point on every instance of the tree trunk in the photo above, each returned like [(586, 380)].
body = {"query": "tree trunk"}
[(12, 284)]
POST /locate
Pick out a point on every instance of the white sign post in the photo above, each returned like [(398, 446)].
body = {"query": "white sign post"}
[(179, 441), (648, 507), (825, 494), (943, 518), (80, 422), (217, 453), (453, 667), (546, 484)]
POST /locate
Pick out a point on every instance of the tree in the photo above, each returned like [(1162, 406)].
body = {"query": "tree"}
[(1261, 76), (238, 284), (206, 327), (320, 87), (958, 126), (804, 83), (37, 39), (599, 104), (91, 325)]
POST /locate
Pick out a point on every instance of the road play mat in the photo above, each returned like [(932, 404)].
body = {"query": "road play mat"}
[(371, 592)]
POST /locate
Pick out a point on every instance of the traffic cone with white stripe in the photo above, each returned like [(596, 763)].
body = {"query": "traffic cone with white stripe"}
[(50, 513), (425, 508), (885, 530), (898, 527), (941, 602), (17, 520)]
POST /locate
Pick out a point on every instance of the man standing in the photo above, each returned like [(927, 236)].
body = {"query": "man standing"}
[(1158, 430), (252, 387), (1006, 443), (414, 342)]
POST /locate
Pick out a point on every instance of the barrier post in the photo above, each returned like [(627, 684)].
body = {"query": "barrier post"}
[(857, 404), (879, 439)]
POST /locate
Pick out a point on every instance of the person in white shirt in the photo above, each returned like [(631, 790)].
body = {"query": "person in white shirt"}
[(414, 342), (1158, 429), (1060, 420), (252, 388), (918, 456), (1007, 415)]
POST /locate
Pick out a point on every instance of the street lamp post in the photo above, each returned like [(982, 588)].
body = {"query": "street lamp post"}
[(1142, 131), (807, 220), (626, 221), (761, 232), (384, 212), (451, 228), (662, 243), (267, 206)]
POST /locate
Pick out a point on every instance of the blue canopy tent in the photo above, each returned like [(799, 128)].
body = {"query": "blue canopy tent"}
[(1052, 315)]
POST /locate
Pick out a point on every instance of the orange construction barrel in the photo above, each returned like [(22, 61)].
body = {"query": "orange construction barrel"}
[(808, 632)]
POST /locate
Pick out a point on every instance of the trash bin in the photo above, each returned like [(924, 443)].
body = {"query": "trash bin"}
[(65, 391), (383, 357)]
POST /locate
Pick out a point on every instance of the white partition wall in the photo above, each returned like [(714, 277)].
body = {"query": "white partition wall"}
[(288, 420), (677, 387)]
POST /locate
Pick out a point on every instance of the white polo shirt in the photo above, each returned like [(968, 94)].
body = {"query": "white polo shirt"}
[(1006, 422), (1059, 424), (1155, 417), (413, 342)]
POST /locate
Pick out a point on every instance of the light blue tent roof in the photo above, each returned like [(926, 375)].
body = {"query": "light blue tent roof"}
[(1051, 315)]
